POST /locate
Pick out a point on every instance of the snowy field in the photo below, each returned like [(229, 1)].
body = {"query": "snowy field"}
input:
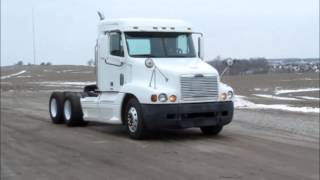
[(284, 92), (274, 133), (242, 103)]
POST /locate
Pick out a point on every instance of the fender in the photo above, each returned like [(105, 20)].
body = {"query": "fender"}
[(224, 88)]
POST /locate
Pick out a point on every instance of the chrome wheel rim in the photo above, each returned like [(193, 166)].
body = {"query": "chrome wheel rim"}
[(53, 107), (67, 110), (132, 119)]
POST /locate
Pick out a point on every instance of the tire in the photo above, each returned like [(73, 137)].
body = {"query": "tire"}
[(211, 130), (56, 107), (134, 119), (72, 110)]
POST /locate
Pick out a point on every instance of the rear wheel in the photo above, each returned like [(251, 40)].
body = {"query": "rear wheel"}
[(211, 130), (72, 111), (134, 119), (56, 107)]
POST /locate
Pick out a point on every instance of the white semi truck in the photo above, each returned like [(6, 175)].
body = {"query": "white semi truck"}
[(150, 74)]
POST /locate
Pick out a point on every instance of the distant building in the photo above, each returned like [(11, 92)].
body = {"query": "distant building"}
[(262, 65), (294, 65)]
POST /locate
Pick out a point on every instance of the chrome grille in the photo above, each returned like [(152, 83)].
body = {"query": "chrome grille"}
[(195, 88)]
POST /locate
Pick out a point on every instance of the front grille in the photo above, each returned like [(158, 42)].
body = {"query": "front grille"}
[(195, 88)]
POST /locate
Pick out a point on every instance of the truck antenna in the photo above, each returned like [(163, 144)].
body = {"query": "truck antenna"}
[(101, 16)]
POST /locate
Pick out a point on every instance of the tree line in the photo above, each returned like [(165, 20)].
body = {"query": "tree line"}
[(242, 66), (21, 63)]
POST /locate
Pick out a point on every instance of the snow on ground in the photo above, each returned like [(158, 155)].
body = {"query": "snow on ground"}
[(12, 75), (286, 91), (241, 103), (299, 79), (67, 70), (276, 97), (83, 72), (7, 83), (309, 98), (259, 89), (63, 83), (24, 76), (239, 96)]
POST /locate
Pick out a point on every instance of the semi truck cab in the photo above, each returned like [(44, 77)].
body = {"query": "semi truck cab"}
[(150, 74)]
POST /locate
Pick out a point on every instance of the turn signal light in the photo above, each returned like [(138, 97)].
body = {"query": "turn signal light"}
[(154, 98), (173, 98)]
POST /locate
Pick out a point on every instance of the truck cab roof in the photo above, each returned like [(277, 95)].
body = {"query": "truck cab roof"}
[(144, 24)]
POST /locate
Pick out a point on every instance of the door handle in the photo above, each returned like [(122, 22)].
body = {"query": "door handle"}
[(105, 60)]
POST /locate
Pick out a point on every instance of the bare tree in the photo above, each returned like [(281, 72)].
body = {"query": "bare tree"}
[(20, 63), (243, 66), (90, 62)]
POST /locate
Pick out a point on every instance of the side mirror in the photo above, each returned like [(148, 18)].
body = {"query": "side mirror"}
[(229, 62), (201, 48), (103, 47)]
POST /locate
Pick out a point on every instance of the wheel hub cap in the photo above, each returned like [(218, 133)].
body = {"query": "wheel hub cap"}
[(67, 110), (132, 119), (53, 107)]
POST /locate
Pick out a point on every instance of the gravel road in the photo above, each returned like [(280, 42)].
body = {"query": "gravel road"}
[(256, 145)]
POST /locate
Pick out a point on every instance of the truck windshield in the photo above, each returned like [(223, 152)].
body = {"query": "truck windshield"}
[(160, 44)]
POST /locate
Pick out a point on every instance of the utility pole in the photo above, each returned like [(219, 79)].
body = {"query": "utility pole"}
[(33, 37)]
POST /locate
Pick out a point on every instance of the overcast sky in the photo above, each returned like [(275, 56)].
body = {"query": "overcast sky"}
[(66, 29)]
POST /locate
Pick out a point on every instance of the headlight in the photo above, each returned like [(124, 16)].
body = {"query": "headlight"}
[(230, 95), (224, 96), (162, 97)]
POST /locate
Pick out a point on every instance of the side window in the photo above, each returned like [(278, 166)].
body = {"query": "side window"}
[(116, 46)]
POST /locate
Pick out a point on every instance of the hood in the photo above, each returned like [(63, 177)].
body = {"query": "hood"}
[(184, 66)]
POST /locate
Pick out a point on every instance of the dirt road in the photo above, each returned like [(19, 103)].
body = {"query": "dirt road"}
[(251, 147)]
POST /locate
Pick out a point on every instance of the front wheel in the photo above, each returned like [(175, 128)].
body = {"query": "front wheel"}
[(134, 119), (211, 130)]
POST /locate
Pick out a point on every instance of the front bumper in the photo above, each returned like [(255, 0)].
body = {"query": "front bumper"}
[(187, 115)]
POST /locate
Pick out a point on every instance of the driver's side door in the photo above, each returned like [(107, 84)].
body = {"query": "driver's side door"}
[(112, 62)]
